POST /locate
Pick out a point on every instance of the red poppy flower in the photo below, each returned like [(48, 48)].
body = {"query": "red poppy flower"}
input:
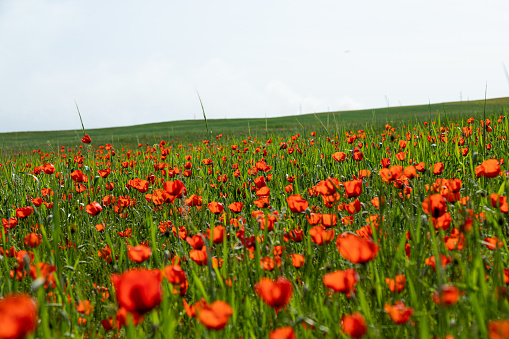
[(354, 207), (268, 264), (500, 202), (314, 218), (356, 249), (283, 333), (175, 188), (139, 253), (86, 139), (94, 208), (18, 316), (438, 168), (397, 284), (33, 240), (37, 201), (342, 281), (48, 168), (139, 184), (354, 325), (276, 293), (216, 315), (9, 223), (45, 271), (24, 212), (498, 329), (296, 235), (490, 168), (448, 295), (319, 235), (398, 312), (138, 290), (298, 260), (216, 207), (493, 243), (353, 188), (339, 156), (196, 241), (385, 162), (177, 277), (431, 261), (104, 173), (84, 307), (296, 203), (236, 207), (199, 256), (435, 205)]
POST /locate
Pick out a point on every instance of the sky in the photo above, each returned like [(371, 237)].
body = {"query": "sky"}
[(134, 62)]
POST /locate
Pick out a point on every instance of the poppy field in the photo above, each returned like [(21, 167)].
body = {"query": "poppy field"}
[(367, 232)]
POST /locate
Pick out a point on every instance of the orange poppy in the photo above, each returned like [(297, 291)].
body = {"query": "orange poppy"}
[(410, 172), (216, 315), (196, 241), (329, 219), (354, 207), (298, 260), (342, 281), (398, 312), (199, 256), (339, 156), (498, 329), (443, 221), (84, 307), (138, 290), (353, 188), (296, 203), (500, 202), (385, 162), (86, 139), (236, 207), (320, 235), (438, 168), (268, 264), (44, 271), (489, 168), (32, 240), (9, 223), (216, 207), (24, 212), (431, 261), (48, 168), (435, 205), (18, 316), (276, 293), (283, 333), (356, 249), (94, 208), (177, 277), (139, 253), (175, 188), (314, 218), (493, 243), (447, 295), (354, 325), (396, 285)]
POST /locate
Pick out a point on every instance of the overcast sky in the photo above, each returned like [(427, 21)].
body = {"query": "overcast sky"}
[(132, 62)]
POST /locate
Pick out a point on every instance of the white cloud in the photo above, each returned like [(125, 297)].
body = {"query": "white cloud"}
[(127, 62)]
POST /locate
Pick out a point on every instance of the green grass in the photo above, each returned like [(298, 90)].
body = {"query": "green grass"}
[(70, 242), (192, 130)]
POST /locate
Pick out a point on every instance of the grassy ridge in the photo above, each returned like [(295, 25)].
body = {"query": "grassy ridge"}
[(190, 130)]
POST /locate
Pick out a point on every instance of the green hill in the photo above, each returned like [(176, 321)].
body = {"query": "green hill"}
[(192, 130)]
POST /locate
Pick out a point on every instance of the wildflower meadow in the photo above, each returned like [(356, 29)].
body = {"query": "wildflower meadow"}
[(361, 231)]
